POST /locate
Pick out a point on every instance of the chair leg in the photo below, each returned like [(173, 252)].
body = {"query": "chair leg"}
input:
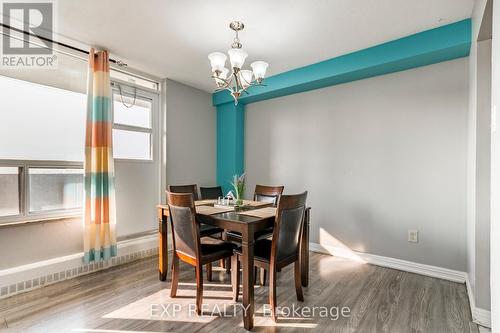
[(223, 263), (199, 288), (298, 282), (255, 274), (262, 276), (272, 292), (209, 271), (235, 276), (175, 276)]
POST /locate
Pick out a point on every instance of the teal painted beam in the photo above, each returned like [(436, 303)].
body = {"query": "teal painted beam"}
[(444, 43), (230, 142)]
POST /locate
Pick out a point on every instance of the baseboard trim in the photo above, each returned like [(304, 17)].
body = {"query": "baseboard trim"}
[(480, 316), (24, 278), (403, 265)]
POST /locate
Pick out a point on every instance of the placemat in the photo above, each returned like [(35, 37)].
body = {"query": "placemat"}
[(255, 203), (261, 212), (204, 202), (209, 210)]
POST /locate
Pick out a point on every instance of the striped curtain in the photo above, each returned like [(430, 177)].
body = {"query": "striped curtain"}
[(100, 214)]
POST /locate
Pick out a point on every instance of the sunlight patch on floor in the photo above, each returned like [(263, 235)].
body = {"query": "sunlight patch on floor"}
[(89, 330), (160, 306)]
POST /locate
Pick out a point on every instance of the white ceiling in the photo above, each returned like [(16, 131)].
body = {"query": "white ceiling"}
[(171, 38)]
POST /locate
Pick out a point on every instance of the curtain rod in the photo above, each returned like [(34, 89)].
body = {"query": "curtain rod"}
[(74, 48)]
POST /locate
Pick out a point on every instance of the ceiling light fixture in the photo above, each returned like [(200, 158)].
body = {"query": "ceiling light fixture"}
[(238, 80)]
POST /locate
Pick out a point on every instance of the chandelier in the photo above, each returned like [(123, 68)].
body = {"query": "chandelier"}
[(239, 79)]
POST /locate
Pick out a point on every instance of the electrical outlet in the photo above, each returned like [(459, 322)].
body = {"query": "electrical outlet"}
[(413, 236)]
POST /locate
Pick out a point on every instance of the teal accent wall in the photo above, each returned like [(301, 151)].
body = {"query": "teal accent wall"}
[(230, 142), (448, 42), (444, 43)]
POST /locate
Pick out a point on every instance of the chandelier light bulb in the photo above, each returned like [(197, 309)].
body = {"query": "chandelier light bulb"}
[(237, 57), (217, 61), (246, 78), (259, 69)]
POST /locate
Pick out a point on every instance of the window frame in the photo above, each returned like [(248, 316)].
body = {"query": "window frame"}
[(140, 93), (24, 194)]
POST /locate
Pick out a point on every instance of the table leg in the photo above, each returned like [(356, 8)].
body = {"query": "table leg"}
[(247, 265), (304, 250), (163, 245)]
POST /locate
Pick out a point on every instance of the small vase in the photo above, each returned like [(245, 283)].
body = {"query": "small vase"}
[(239, 201)]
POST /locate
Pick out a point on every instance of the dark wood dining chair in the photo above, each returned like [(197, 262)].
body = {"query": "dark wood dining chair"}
[(211, 192), (193, 189), (188, 245), (269, 194), (263, 193), (279, 252), (205, 229)]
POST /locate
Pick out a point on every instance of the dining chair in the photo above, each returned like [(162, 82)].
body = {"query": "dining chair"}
[(262, 193), (269, 194), (187, 243), (205, 229), (215, 193), (279, 252), (211, 192)]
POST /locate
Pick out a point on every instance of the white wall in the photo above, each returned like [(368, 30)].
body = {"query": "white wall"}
[(191, 155), (378, 156)]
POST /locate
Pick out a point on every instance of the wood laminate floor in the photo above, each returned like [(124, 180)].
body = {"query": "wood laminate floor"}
[(130, 298)]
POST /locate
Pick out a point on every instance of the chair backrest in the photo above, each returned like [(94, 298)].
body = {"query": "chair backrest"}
[(268, 193), (211, 192), (193, 189), (288, 227), (185, 229)]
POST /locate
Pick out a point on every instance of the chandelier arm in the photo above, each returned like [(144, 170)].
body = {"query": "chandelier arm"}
[(237, 81), (225, 83)]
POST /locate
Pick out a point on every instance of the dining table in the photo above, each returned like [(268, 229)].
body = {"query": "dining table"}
[(250, 218)]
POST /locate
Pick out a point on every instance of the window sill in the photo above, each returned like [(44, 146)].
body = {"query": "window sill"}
[(33, 219)]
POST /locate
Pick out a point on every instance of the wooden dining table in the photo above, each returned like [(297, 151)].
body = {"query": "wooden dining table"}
[(245, 224)]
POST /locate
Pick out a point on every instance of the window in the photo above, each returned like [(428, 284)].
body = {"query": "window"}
[(53, 189), (132, 125), (9, 191), (41, 151), (42, 141), (32, 190)]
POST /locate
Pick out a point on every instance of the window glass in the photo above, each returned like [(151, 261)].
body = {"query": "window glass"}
[(40, 122), (131, 145), (9, 191), (55, 189), (130, 112)]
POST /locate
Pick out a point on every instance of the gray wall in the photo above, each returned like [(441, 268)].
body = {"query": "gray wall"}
[(478, 159), (378, 157), (191, 154), (495, 172), (483, 179)]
